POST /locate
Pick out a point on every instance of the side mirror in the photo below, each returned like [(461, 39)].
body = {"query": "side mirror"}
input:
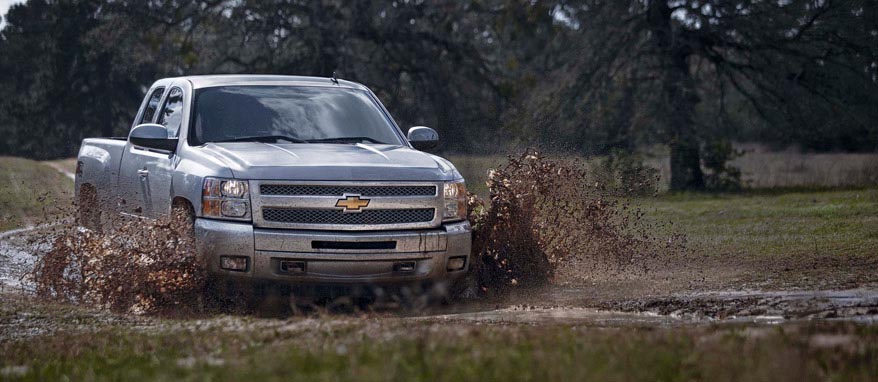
[(152, 136), (423, 138)]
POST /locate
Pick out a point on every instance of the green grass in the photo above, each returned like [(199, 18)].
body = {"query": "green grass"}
[(30, 192), (774, 223), (389, 348)]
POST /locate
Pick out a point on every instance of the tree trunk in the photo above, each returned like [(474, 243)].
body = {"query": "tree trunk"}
[(686, 171), (680, 98), (686, 166)]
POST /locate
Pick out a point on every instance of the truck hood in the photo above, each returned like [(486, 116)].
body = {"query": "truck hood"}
[(330, 162)]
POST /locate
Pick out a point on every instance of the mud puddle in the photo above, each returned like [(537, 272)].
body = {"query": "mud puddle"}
[(733, 306), (18, 256), (556, 315), (854, 304)]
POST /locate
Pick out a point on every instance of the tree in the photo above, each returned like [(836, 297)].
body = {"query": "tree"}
[(70, 70), (431, 62), (773, 58), (599, 76)]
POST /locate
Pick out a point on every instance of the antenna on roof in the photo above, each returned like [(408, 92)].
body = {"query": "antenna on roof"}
[(333, 78)]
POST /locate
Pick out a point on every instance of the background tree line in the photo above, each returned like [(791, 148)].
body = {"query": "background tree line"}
[(583, 76)]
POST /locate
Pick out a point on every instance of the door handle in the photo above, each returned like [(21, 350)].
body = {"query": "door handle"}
[(143, 173)]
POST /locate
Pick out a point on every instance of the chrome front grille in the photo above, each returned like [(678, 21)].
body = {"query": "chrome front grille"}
[(315, 205), (338, 190), (367, 217)]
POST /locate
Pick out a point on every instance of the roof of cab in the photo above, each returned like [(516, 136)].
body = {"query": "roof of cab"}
[(213, 80)]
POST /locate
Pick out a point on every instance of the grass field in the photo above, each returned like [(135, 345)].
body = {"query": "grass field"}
[(30, 192), (784, 223), (83, 346), (777, 239)]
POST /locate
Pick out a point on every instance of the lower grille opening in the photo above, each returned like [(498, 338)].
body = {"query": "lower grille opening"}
[(317, 244)]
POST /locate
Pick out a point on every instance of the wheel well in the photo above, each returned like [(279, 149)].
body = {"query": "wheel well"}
[(180, 201)]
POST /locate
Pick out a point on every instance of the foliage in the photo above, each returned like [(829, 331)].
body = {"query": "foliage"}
[(721, 176), (588, 76), (689, 73), (626, 171)]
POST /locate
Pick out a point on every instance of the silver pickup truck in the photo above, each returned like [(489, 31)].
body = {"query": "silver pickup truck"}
[(298, 180)]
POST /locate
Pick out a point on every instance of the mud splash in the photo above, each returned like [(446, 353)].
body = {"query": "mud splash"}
[(134, 266), (547, 214)]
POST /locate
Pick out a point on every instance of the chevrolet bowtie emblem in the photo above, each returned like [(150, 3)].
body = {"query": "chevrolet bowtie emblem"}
[(352, 203)]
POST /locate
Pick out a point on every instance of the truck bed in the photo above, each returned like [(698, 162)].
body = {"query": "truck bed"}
[(99, 160)]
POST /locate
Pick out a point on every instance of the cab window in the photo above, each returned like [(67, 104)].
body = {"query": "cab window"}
[(151, 106), (172, 114)]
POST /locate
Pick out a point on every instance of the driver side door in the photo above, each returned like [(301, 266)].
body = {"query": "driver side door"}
[(146, 173)]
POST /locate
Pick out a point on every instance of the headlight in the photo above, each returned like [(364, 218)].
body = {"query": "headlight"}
[(455, 201), (233, 188), (225, 199)]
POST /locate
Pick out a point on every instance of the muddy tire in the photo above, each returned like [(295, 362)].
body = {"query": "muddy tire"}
[(88, 208), (183, 219), (224, 296), (463, 288)]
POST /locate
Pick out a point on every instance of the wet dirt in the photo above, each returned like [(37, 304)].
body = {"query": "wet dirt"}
[(636, 301)]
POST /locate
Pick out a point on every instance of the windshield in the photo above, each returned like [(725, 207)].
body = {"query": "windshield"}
[(289, 113)]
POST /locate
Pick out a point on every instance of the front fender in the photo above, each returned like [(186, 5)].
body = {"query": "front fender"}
[(191, 169)]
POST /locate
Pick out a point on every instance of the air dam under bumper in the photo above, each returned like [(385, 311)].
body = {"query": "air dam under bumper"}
[(334, 257)]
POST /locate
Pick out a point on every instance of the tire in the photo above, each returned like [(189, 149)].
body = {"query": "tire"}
[(463, 288)]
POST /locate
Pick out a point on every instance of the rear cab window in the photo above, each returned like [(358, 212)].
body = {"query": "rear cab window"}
[(151, 106)]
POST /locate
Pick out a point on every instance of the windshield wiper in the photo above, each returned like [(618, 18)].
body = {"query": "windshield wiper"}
[(346, 140), (264, 138)]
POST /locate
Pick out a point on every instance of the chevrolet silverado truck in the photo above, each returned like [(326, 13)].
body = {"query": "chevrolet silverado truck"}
[(295, 180)]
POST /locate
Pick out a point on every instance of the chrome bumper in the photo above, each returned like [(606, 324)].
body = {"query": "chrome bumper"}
[(334, 257)]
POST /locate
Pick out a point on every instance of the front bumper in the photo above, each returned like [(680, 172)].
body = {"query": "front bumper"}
[(334, 257)]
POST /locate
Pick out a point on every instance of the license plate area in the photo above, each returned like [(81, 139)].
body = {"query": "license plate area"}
[(351, 245), (292, 266)]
